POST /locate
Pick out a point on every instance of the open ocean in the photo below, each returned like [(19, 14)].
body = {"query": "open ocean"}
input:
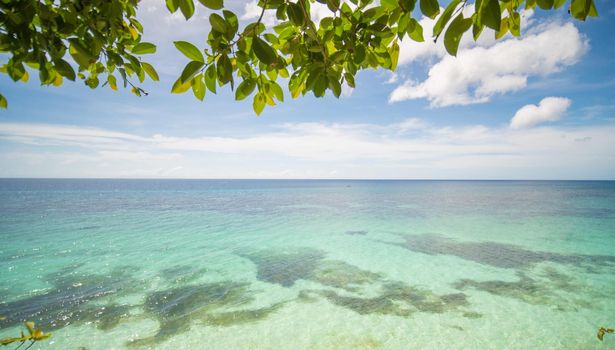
[(291, 265)]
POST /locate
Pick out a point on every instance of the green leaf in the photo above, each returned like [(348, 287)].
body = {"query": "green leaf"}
[(445, 17), (359, 54), (224, 69), (593, 12), (189, 50), (80, 53), (333, 5), (514, 24), (349, 79), (172, 5), (258, 104), (211, 77), (477, 29), (217, 23), (232, 24), (335, 87), (92, 82), (295, 14), (123, 74), (545, 4), (187, 8), (191, 69), (415, 31), (3, 102), (455, 31), (143, 48), (80, 48), (490, 15), (149, 69), (320, 85), (198, 88), (65, 69), (263, 51), (394, 53), (112, 81), (212, 4), (503, 28), (389, 4), (580, 9), (134, 63), (245, 89), (408, 5), (17, 71), (179, 87), (430, 8), (277, 91)]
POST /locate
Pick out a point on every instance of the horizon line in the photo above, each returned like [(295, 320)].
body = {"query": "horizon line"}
[(294, 179)]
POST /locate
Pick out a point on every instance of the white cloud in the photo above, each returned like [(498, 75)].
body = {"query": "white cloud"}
[(478, 73), (548, 110), (411, 124), (252, 11), (318, 11), (407, 149)]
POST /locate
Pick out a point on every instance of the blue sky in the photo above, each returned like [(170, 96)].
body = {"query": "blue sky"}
[(538, 107)]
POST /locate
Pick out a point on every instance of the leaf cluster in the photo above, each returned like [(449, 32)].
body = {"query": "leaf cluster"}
[(315, 57), (103, 37), (92, 40)]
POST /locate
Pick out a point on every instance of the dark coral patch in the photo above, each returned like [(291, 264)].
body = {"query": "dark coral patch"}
[(499, 254), (550, 288), (68, 301), (232, 318), (285, 268), (177, 308), (357, 233), (399, 299), (338, 274)]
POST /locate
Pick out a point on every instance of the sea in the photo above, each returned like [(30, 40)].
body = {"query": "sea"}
[(308, 264)]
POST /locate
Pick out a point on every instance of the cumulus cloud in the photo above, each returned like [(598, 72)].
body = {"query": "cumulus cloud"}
[(548, 110), (408, 149), (478, 73), (411, 51)]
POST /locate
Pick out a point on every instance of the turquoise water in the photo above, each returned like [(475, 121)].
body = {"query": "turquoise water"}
[(186, 264)]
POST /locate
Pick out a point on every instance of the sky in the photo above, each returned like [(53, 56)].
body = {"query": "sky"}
[(541, 106)]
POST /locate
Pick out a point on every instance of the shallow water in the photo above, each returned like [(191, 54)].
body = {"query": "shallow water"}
[(137, 264)]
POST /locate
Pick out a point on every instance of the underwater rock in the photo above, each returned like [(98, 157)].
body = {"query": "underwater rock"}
[(357, 232), (380, 305), (399, 299), (339, 274), (185, 301), (232, 318), (499, 254), (285, 268), (470, 314), (525, 289), (176, 308), (395, 298), (67, 301), (556, 290)]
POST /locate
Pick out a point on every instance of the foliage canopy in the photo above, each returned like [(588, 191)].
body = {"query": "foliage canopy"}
[(102, 38)]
